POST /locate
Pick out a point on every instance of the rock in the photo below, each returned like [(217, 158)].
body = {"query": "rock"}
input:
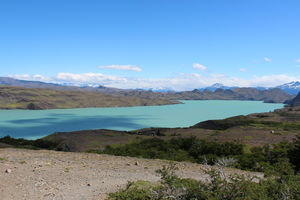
[(137, 163), (32, 106), (8, 171), (128, 164), (88, 184)]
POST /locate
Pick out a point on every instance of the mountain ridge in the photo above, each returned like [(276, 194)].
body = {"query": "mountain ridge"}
[(296, 101), (13, 97), (272, 95)]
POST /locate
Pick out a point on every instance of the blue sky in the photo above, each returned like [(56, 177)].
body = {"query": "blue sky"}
[(151, 43)]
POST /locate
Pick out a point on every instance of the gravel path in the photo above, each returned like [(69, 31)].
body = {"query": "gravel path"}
[(29, 174)]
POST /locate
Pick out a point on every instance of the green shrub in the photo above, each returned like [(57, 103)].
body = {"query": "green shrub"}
[(133, 191), (31, 144), (177, 149), (294, 154)]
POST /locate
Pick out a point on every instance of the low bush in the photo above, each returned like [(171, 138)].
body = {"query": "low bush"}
[(31, 144)]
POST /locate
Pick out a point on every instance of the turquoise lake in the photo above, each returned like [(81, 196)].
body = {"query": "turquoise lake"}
[(33, 124)]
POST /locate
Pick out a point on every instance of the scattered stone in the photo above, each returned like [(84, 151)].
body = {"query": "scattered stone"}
[(49, 194), (50, 182), (8, 171), (128, 164)]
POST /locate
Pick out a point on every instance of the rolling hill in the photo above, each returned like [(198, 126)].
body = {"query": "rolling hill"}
[(40, 98)]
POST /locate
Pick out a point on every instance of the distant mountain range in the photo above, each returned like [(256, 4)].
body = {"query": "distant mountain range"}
[(215, 92), (216, 86)]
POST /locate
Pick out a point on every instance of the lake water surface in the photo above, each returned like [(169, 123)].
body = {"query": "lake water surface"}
[(33, 124)]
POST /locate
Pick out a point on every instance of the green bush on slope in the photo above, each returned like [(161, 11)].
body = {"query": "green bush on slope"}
[(263, 159), (31, 144), (218, 187)]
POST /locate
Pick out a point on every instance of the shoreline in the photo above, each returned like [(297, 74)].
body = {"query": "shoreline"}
[(173, 102)]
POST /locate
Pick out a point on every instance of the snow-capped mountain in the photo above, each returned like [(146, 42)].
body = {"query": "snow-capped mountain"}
[(216, 86), (82, 85), (291, 88)]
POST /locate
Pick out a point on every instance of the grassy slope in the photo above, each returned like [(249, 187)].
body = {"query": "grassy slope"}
[(25, 98)]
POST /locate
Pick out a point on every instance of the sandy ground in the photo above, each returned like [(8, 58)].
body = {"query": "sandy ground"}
[(32, 175)]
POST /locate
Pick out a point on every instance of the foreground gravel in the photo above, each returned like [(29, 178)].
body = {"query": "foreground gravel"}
[(42, 174)]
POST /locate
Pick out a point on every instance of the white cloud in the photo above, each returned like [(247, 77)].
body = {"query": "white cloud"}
[(199, 66), (181, 81), (122, 67), (272, 80), (88, 78), (298, 60), (243, 70), (267, 59)]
